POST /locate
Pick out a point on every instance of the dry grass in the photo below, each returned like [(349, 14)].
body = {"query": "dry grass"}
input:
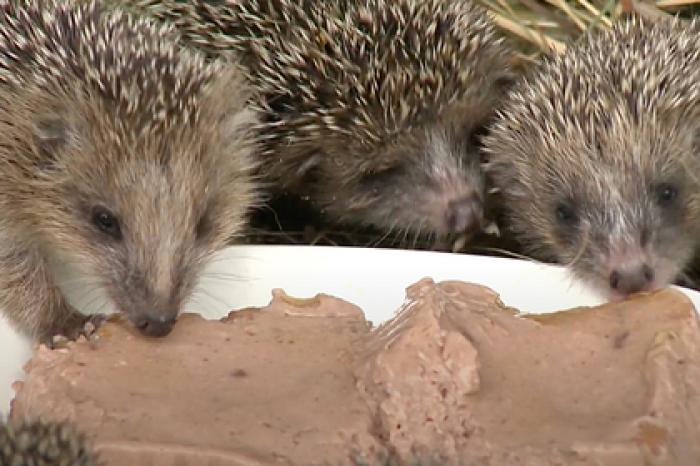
[(548, 26)]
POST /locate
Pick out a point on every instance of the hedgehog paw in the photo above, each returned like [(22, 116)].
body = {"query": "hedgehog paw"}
[(72, 328)]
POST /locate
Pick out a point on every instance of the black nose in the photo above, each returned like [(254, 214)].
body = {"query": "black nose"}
[(464, 214), (632, 280), (154, 326)]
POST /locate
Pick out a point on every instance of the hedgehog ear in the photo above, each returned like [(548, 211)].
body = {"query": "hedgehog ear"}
[(238, 124), (228, 96), (52, 134), (504, 82)]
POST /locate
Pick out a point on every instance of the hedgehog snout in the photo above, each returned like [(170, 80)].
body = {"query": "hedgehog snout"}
[(626, 281), (149, 296), (629, 270), (154, 325)]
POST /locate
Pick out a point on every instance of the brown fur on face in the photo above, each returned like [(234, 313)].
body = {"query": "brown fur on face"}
[(372, 109), (408, 183), (156, 139), (597, 156)]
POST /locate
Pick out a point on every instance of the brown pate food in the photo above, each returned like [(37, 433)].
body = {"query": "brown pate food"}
[(455, 377)]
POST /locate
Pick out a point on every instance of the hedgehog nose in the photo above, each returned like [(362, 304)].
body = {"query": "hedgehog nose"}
[(154, 326), (464, 214), (631, 280)]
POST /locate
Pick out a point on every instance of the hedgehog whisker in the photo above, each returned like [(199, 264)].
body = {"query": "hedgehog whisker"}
[(101, 307), (579, 253), (278, 223), (237, 257), (687, 281), (412, 237), (395, 232), (89, 305), (512, 254), (86, 292), (691, 171), (417, 234), (432, 239), (208, 294), (225, 276), (406, 233), (377, 241)]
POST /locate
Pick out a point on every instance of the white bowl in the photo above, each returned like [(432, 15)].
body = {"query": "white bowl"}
[(374, 279)]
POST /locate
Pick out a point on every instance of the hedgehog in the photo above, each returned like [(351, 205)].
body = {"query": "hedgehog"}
[(120, 153), (595, 156), (372, 110), (38, 443)]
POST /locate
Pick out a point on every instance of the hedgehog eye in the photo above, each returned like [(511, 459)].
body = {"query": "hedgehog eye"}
[(665, 194), (484, 157), (504, 82), (51, 135), (378, 178), (566, 215), (106, 222)]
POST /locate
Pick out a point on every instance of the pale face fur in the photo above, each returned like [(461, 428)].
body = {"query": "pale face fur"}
[(620, 206), (597, 156), (142, 206), (425, 181)]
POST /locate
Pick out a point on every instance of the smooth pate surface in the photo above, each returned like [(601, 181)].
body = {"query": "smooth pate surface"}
[(455, 377), (613, 385), (262, 387)]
